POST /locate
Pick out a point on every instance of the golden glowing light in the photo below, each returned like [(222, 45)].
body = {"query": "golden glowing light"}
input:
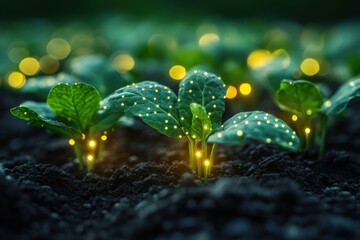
[(285, 58), (29, 66), (206, 163), (294, 118), (198, 154), (58, 48), (90, 157), (310, 66), (83, 136), (16, 80), (71, 142), (49, 64), (208, 38), (307, 130), (124, 62), (177, 72), (259, 58), (104, 137), (328, 103), (231, 92), (92, 143), (245, 89), (308, 112)]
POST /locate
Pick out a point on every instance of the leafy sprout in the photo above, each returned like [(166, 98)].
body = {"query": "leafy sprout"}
[(77, 112), (196, 115)]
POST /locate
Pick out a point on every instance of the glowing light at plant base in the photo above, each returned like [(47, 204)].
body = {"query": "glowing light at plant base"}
[(177, 72), (310, 66), (231, 92), (206, 163), (245, 89), (198, 154), (49, 64), (29, 66), (294, 118), (16, 80), (92, 143), (58, 48), (124, 62), (259, 58), (208, 38), (104, 137), (307, 130), (71, 142)]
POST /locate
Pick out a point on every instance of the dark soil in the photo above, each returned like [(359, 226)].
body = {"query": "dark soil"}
[(144, 189)]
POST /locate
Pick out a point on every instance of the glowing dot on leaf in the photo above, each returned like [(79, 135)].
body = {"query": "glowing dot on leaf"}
[(239, 133), (276, 125), (246, 122), (352, 83), (327, 103), (294, 118), (219, 135), (72, 142), (290, 143), (258, 123), (268, 140)]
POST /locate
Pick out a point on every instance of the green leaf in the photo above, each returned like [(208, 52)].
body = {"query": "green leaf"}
[(41, 85), (201, 124), (40, 115), (154, 103), (257, 125), (300, 97), (98, 72), (77, 103), (338, 102), (205, 89)]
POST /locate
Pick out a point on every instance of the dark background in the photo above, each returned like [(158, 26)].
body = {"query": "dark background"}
[(297, 10)]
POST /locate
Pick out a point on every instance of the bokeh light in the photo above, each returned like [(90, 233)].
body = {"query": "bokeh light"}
[(58, 48), (208, 38), (259, 58), (177, 72), (29, 66), (49, 64), (124, 62), (310, 66), (245, 89), (231, 92), (16, 79)]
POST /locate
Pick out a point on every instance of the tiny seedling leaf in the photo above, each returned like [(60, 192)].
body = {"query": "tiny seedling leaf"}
[(300, 97), (205, 89), (40, 115), (338, 102), (256, 125), (154, 103), (201, 124), (98, 72), (77, 103)]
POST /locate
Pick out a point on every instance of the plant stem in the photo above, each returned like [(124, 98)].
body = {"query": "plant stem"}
[(191, 153), (323, 122), (212, 156), (79, 155), (100, 151)]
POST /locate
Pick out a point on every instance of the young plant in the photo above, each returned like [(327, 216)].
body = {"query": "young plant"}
[(196, 115), (77, 112), (303, 98)]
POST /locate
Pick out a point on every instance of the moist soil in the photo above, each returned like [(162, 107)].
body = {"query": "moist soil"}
[(144, 189)]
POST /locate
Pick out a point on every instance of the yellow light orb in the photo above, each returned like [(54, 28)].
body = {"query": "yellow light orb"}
[(231, 92), (245, 89), (294, 118), (71, 142), (92, 143), (307, 130), (259, 58), (310, 66), (90, 158), (16, 80), (49, 64), (124, 62), (104, 137), (177, 72), (29, 66), (58, 48), (206, 163), (208, 38), (198, 154)]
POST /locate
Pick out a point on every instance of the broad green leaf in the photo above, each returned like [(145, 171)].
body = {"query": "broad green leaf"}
[(205, 89), (201, 124), (105, 118), (41, 85), (300, 97), (98, 72), (40, 115), (257, 125), (77, 103), (338, 102), (154, 103)]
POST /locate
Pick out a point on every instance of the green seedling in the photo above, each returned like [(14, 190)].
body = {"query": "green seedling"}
[(77, 112), (303, 98), (196, 115)]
